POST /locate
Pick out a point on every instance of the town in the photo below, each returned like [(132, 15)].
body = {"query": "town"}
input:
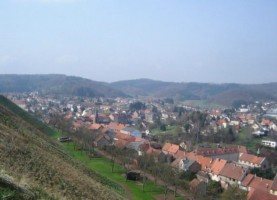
[(234, 146)]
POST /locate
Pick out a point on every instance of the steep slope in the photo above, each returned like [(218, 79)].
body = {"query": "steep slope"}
[(35, 167), (57, 84)]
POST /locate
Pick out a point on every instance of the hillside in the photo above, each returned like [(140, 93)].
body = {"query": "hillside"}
[(224, 94), (32, 166), (57, 84)]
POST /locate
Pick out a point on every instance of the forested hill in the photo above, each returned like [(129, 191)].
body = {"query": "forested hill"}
[(225, 94), (33, 166), (57, 84)]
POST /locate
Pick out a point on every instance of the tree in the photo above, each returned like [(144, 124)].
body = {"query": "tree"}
[(163, 127), (178, 131), (187, 127), (145, 163), (233, 192), (268, 173), (214, 188), (137, 106)]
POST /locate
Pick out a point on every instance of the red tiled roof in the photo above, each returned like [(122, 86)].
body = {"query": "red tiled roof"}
[(116, 126), (126, 137), (170, 148), (99, 137), (121, 143), (205, 162), (266, 121), (232, 171), (166, 146), (246, 181), (256, 194), (251, 158), (242, 149), (139, 139), (173, 149), (180, 154), (255, 182), (217, 151), (216, 113), (221, 150), (194, 182), (95, 126), (218, 165), (152, 150)]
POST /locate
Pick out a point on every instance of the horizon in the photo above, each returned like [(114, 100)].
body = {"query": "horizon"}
[(136, 79), (179, 41)]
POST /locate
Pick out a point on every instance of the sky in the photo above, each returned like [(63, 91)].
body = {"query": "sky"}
[(211, 41)]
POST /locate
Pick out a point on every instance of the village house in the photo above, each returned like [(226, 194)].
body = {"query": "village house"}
[(114, 117), (136, 146), (231, 174), (131, 131), (253, 161), (215, 113), (216, 168), (169, 148), (149, 116), (259, 188), (96, 127), (222, 123), (230, 153), (186, 165), (252, 181), (116, 126), (256, 194), (269, 143), (205, 162)]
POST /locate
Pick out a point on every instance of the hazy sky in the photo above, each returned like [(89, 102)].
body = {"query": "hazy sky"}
[(171, 40)]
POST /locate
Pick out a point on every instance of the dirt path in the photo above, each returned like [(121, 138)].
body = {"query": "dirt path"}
[(127, 190)]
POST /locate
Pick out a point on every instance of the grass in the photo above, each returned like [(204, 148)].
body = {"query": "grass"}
[(26, 116), (244, 137), (103, 167), (202, 104), (169, 130)]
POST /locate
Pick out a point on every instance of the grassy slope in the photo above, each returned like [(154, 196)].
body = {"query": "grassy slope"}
[(103, 166), (100, 167), (31, 158)]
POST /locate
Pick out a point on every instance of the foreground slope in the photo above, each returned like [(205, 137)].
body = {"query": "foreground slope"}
[(34, 167)]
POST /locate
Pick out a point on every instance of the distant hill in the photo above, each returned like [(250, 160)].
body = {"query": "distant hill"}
[(32, 166), (57, 84), (141, 87), (225, 94)]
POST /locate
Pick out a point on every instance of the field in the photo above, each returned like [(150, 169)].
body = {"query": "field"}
[(133, 190), (169, 130), (202, 104)]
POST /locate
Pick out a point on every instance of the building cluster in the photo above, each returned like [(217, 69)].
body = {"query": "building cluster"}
[(118, 125)]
